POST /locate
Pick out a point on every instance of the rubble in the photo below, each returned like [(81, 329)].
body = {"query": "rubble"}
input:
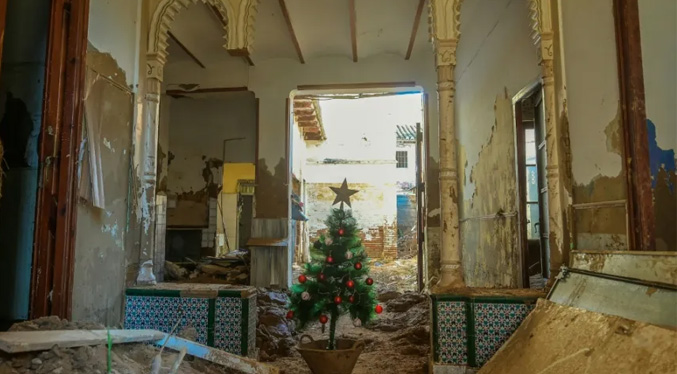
[(230, 269), (400, 334), (274, 333), (134, 358)]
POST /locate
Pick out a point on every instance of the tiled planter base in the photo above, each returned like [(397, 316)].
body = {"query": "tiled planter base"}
[(224, 316), (469, 327)]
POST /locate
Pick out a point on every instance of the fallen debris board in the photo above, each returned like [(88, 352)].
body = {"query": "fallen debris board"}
[(29, 341), (557, 339), (618, 297), (645, 265), (228, 360)]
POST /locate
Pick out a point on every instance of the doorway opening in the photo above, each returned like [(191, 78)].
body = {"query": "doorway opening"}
[(374, 140), (532, 185)]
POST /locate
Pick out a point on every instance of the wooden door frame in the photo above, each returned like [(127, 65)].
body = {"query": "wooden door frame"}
[(520, 153), (61, 130), (635, 133)]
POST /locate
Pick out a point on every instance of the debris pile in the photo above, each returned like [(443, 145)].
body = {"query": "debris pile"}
[(397, 342), (274, 332), (134, 358), (230, 269)]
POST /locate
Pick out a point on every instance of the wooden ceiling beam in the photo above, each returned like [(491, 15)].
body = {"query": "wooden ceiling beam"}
[(185, 49), (414, 30), (353, 29), (292, 34)]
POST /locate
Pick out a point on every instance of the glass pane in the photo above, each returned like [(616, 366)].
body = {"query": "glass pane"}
[(532, 221), (532, 184), (530, 146)]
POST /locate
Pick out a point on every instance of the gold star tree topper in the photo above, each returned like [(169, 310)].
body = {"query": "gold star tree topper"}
[(343, 193)]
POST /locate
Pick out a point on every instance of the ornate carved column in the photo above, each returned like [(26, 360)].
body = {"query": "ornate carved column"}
[(445, 33), (542, 11), (146, 164)]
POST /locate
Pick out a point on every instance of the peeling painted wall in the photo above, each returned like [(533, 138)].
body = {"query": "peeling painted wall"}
[(658, 29), (496, 58), (106, 244), (100, 256), (594, 124), (198, 126)]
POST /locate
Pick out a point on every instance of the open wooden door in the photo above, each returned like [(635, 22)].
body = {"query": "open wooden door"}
[(420, 189), (53, 259)]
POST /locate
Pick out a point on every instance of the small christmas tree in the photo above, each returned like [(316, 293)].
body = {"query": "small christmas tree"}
[(336, 281)]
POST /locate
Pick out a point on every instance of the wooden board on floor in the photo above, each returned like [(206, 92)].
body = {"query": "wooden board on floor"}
[(228, 360), (30, 341), (557, 339)]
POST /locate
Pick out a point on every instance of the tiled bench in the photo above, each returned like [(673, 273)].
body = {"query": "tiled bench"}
[(224, 316), (470, 325)]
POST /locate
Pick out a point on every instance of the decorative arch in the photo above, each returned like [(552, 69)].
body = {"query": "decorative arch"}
[(238, 16)]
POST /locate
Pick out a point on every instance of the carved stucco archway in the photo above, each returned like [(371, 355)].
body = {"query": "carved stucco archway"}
[(239, 17), (445, 30)]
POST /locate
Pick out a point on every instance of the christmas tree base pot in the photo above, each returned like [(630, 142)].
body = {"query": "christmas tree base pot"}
[(320, 360)]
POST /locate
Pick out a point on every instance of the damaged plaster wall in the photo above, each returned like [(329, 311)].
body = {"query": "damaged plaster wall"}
[(198, 126), (496, 59), (595, 128), (274, 79), (658, 29), (102, 250), (21, 93)]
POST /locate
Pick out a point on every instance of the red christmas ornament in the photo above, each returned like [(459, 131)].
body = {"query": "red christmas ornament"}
[(321, 277), (290, 314), (341, 232), (350, 284), (330, 260), (369, 281), (358, 266), (323, 319), (302, 278), (351, 299), (378, 309), (338, 300)]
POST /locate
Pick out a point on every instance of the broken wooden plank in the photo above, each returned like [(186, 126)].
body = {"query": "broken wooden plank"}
[(30, 341), (228, 360)]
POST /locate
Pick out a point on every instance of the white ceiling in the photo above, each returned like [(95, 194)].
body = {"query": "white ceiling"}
[(322, 28)]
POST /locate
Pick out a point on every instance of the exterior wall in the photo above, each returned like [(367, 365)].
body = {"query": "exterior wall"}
[(360, 146), (21, 93), (594, 124), (496, 58), (374, 207), (658, 29), (105, 239), (198, 127), (406, 177)]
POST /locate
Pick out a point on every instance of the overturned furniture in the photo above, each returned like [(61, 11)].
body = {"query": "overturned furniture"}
[(223, 316)]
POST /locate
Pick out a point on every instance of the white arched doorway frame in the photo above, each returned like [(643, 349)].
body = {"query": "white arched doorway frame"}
[(238, 17)]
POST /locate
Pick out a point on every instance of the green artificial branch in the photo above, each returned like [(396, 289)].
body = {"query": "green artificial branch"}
[(315, 296)]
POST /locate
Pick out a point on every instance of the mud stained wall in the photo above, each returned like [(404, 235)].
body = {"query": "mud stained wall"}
[(496, 58), (105, 237), (21, 94), (596, 136), (374, 207), (99, 278), (658, 29), (198, 126)]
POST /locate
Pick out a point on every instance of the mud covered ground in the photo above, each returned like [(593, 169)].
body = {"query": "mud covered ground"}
[(398, 342)]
